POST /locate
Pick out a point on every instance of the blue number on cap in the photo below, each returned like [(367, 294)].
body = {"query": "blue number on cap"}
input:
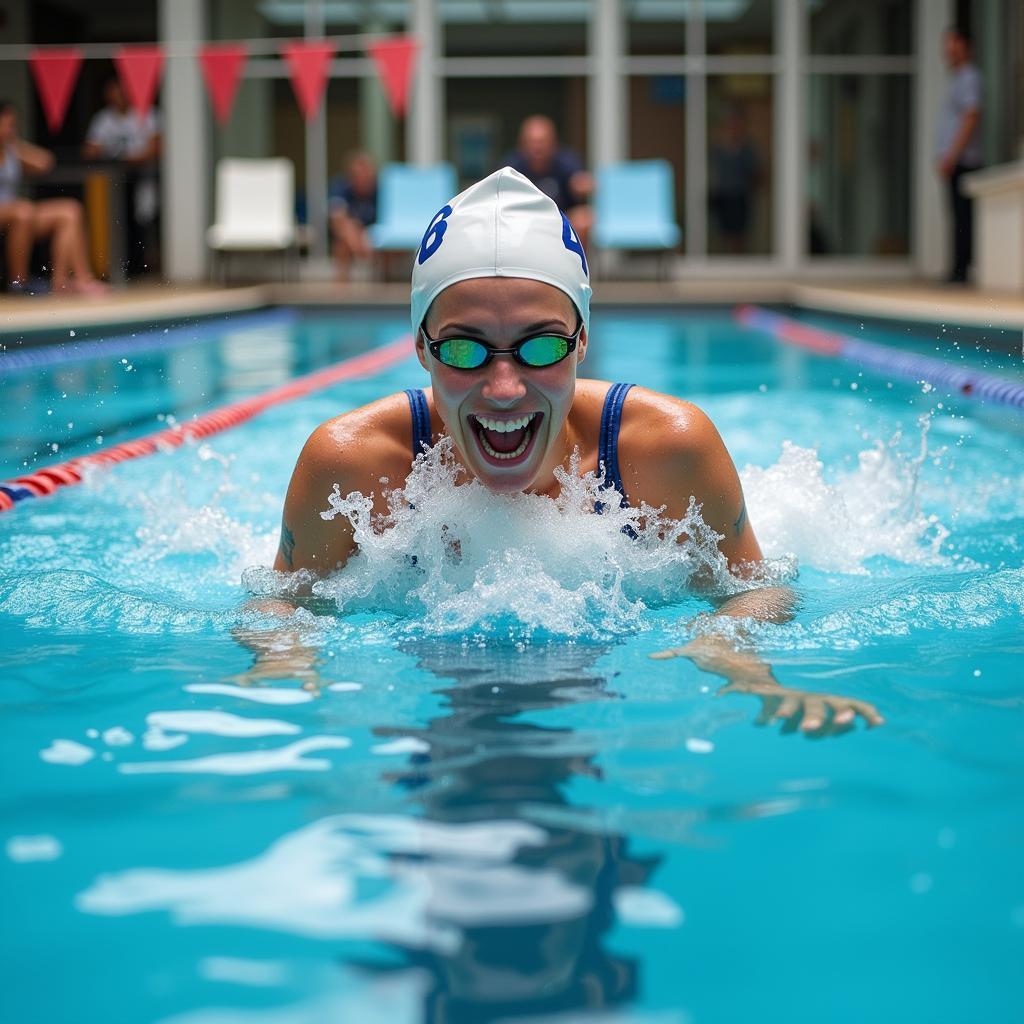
[(435, 234), (572, 243)]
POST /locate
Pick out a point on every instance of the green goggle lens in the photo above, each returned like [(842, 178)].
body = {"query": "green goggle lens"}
[(544, 350), (462, 353), (468, 354)]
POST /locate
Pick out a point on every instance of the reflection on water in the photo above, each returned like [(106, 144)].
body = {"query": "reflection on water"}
[(485, 762)]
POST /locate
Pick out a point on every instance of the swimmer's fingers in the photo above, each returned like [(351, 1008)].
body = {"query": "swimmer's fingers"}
[(814, 713), (867, 711), (669, 652)]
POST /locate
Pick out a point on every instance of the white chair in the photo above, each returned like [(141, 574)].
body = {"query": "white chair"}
[(255, 208)]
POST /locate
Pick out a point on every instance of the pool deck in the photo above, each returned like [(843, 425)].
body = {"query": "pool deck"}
[(146, 303)]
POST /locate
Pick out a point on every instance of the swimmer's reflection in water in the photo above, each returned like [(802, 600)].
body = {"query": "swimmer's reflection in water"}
[(483, 763)]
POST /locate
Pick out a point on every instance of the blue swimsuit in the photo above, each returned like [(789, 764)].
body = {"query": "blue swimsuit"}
[(607, 441)]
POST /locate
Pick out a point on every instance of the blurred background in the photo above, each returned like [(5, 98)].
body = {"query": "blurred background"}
[(820, 114)]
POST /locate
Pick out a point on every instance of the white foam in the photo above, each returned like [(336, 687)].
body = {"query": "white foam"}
[(24, 849), (248, 762), (345, 687), (67, 752), (699, 746), (118, 736), (219, 723), (873, 511), (256, 694), (240, 971), (454, 559), (157, 739), (403, 745), (648, 908)]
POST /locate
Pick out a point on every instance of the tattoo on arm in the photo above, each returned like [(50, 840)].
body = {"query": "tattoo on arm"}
[(287, 543), (741, 519)]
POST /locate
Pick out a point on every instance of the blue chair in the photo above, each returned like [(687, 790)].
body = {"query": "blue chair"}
[(407, 197), (634, 207)]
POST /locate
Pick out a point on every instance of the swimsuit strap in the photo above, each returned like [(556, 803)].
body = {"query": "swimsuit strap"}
[(608, 441), (422, 436)]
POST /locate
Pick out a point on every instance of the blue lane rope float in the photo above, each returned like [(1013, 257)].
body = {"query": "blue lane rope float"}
[(31, 357), (891, 362)]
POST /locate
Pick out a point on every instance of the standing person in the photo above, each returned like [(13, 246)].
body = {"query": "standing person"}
[(958, 144), (118, 133), (25, 222), (353, 208), (557, 171), (734, 177)]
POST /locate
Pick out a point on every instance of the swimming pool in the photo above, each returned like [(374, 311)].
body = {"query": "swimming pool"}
[(479, 799)]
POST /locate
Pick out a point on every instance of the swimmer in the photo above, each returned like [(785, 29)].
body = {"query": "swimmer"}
[(501, 317)]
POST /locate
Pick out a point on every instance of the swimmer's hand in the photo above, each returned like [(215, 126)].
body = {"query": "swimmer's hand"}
[(816, 714)]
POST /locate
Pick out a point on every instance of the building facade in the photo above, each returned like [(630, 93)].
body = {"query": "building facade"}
[(800, 132)]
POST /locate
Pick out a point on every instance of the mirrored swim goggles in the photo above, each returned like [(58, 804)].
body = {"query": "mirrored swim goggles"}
[(536, 351)]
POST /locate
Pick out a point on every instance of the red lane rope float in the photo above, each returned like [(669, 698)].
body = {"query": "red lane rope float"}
[(66, 474)]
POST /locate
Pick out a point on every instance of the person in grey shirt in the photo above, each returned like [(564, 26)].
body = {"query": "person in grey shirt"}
[(958, 143)]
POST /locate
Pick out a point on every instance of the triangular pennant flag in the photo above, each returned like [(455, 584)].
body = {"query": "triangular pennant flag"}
[(55, 72), (307, 66), (138, 68), (394, 59), (222, 65)]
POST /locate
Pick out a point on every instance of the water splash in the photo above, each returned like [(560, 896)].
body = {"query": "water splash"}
[(457, 558)]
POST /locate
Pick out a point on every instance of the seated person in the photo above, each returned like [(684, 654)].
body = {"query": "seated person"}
[(501, 317), (353, 208), (25, 222), (118, 133), (556, 171)]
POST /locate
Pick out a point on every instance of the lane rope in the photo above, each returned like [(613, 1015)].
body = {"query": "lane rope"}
[(45, 481), (890, 362)]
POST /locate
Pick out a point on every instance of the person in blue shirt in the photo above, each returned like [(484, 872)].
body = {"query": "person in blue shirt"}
[(959, 145), (353, 208), (556, 171)]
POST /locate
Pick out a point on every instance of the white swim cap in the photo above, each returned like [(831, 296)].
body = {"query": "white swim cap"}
[(503, 226)]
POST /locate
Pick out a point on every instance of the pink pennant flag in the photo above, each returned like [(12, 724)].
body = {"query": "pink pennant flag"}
[(222, 65), (138, 68), (55, 72), (308, 66), (393, 59)]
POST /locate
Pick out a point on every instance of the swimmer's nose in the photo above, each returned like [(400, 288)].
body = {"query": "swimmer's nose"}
[(504, 384)]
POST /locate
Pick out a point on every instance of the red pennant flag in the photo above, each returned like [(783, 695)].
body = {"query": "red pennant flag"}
[(307, 66), (55, 72), (138, 68), (394, 59), (222, 65)]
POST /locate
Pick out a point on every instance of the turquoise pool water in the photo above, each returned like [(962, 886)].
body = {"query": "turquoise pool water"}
[(486, 802)]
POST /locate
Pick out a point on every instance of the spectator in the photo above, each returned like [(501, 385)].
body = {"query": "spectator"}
[(25, 222), (118, 133), (959, 144), (734, 176), (353, 208), (556, 171)]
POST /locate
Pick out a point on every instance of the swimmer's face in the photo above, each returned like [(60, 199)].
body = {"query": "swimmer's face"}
[(502, 311)]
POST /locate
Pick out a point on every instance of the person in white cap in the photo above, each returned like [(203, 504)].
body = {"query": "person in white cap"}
[(501, 314)]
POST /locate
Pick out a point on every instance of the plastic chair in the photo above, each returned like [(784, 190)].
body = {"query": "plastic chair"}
[(407, 197), (255, 209), (634, 207)]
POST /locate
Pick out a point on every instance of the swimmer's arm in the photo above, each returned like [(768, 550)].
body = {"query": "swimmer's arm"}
[(308, 541)]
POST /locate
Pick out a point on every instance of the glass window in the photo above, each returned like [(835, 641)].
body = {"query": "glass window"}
[(656, 27), (739, 174), (520, 28), (738, 27), (858, 164), (879, 27), (657, 126)]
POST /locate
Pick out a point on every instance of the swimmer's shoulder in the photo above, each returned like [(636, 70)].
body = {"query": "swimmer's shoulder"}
[(363, 445), (668, 448)]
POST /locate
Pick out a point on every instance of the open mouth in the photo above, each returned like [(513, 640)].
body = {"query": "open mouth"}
[(505, 442)]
